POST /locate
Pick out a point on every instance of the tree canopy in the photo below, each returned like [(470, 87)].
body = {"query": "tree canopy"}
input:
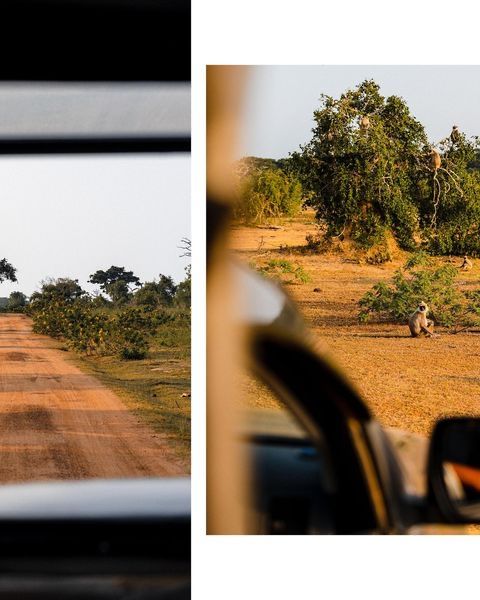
[(365, 165), (16, 301), (115, 282), (62, 288), (369, 170), (183, 294), (7, 271), (157, 293)]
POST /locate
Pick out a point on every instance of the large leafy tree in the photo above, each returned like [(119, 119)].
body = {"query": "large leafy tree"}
[(365, 166), (16, 301), (157, 293), (62, 288), (116, 282), (119, 291), (7, 271)]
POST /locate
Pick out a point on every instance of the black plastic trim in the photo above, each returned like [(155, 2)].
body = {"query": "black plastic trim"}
[(87, 145)]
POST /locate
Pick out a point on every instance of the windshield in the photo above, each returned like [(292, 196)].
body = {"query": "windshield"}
[(94, 287)]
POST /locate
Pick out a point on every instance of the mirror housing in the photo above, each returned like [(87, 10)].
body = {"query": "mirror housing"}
[(454, 469)]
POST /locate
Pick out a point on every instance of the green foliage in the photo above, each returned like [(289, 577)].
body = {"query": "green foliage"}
[(115, 282), (156, 293), (76, 322), (124, 326), (90, 330), (368, 171), (175, 331), (17, 302), (62, 288), (363, 165), (278, 268), (129, 331), (253, 164), (7, 271), (396, 301), (118, 291), (451, 217), (268, 193), (183, 294), (418, 259)]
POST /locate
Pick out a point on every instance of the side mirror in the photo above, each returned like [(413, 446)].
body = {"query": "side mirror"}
[(454, 469)]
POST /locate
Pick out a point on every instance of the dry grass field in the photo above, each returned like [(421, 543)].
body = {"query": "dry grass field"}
[(408, 383)]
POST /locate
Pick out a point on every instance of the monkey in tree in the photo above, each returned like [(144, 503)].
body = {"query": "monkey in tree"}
[(418, 322), (455, 134)]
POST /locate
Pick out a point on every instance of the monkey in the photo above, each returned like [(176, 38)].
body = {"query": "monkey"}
[(455, 135), (365, 122), (436, 159), (467, 264), (418, 322)]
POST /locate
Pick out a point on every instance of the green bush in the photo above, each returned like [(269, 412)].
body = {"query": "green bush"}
[(267, 194), (17, 302), (90, 330), (396, 301), (278, 268), (129, 332), (124, 326), (418, 259), (84, 328)]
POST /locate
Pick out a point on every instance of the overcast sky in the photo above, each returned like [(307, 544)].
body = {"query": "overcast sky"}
[(281, 100), (69, 216)]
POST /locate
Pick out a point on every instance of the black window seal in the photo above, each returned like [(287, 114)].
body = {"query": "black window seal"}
[(94, 145)]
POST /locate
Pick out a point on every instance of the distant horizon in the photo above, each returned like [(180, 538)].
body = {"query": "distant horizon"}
[(70, 216), (280, 101)]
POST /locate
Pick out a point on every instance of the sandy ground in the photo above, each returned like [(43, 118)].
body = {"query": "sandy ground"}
[(59, 423), (407, 383)]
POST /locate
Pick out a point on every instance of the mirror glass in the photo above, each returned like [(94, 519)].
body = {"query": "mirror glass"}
[(459, 456)]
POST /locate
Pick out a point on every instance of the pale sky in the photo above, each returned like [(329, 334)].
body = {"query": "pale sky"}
[(280, 100), (67, 216)]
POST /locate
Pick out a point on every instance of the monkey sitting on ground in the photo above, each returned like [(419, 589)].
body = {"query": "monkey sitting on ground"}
[(418, 322), (467, 264)]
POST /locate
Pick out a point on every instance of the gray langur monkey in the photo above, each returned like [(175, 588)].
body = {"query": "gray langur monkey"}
[(455, 135), (466, 264), (418, 322)]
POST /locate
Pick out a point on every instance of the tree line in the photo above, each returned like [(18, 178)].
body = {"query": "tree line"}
[(370, 173), (120, 287), (122, 319)]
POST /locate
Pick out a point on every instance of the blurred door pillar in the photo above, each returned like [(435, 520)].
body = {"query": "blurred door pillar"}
[(226, 473)]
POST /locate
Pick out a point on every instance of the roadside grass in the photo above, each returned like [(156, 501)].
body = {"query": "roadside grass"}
[(151, 388)]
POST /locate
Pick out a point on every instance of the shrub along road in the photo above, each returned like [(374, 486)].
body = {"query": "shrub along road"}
[(58, 423)]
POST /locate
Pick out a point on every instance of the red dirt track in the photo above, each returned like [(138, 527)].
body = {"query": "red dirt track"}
[(58, 423)]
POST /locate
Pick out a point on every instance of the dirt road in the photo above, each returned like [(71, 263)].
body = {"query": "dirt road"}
[(59, 423)]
